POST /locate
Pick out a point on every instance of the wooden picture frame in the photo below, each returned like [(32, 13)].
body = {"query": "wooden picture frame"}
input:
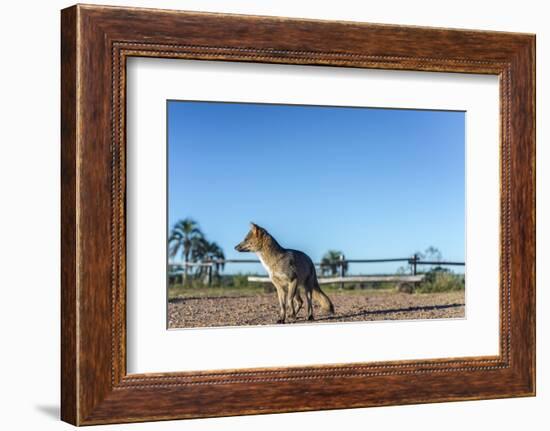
[(95, 43)]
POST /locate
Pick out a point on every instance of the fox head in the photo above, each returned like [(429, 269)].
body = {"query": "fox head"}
[(254, 240)]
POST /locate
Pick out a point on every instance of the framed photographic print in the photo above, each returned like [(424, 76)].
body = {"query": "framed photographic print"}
[(258, 208)]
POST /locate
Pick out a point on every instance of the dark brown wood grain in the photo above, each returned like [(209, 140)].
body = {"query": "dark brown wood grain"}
[(68, 216), (95, 42)]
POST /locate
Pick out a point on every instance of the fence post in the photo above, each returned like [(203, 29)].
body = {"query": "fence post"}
[(342, 269), (414, 260), (209, 272)]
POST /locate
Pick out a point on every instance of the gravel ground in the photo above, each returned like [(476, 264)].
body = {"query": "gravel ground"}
[(262, 309)]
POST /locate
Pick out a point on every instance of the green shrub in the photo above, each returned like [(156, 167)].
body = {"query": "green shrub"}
[(441, 281), (239, 280)]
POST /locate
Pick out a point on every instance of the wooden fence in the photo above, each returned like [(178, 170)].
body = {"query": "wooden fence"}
[(341, 278)]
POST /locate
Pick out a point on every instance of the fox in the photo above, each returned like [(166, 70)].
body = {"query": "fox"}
[(289, 270)]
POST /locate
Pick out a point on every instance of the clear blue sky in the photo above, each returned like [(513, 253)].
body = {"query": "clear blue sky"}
[(374, 183)]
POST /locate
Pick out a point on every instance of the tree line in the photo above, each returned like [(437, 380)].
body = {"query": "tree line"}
[(187, 239)]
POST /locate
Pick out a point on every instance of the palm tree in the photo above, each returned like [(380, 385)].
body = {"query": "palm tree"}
[(330, 263), (215, 253), (184, 237), (198, 254), (209, 253)]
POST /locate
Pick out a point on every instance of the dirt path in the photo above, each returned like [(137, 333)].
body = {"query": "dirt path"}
[(262, 309)]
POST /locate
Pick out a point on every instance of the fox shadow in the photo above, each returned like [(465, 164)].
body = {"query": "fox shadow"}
[(365, 313)]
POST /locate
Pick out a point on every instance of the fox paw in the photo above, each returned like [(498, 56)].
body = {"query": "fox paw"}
[(310, 318), (281, 321)]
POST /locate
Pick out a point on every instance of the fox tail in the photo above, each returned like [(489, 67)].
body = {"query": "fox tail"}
[(323, 300)]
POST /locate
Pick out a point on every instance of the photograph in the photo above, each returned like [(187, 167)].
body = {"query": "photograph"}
[(306, 214), (333, 210)]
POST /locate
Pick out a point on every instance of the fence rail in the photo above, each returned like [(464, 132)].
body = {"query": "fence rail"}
[(356, 279), (337, 262)]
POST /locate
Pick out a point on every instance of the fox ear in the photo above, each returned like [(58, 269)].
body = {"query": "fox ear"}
[(253, 226)]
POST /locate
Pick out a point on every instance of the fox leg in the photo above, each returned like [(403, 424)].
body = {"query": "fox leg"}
[(309, 301), (292, 287), (281, 294), (298, 301)]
